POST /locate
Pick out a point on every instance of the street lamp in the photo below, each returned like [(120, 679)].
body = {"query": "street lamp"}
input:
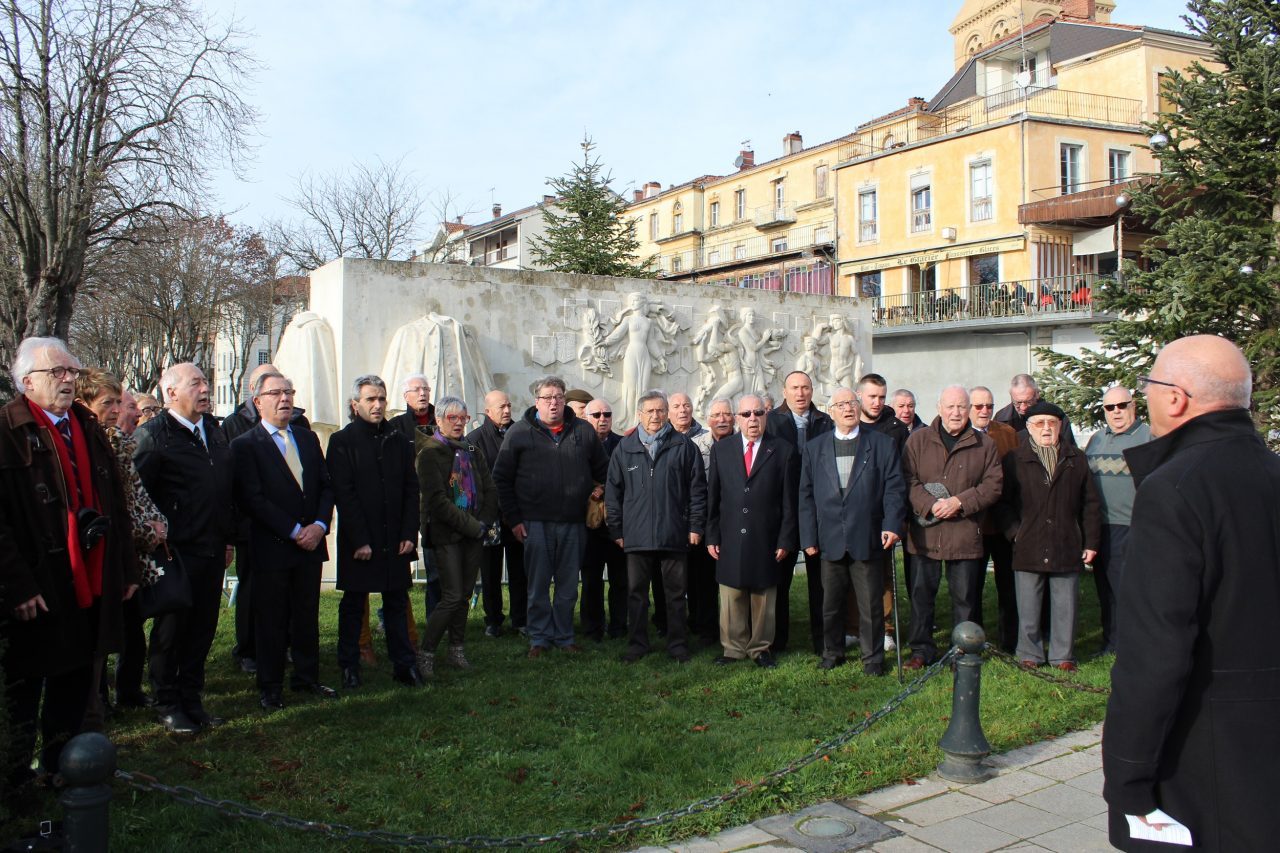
[(1122, 202)]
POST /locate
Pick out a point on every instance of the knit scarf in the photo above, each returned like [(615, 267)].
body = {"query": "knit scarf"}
[(651, 442), (1048, 456), (462, 480), (86, 568)]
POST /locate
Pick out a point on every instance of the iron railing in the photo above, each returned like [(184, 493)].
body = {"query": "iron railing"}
[(1070, 294)]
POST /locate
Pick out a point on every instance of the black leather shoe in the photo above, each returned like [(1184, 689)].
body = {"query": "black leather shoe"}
[(248, 665), (175, 721), (830, 663), (203, 718), (631, 657), (872, 670), (765, 660), (725, 660), (409, 677), (351, 678), (317, 690), (492, 631), (270, 701), (682, 657)]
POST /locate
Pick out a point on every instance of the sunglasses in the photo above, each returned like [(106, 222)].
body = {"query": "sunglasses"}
[(598, 415), (1111, 407), (752, 413), (983, 406)]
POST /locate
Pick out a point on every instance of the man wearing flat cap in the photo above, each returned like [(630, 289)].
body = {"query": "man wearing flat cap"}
[(577, 399)]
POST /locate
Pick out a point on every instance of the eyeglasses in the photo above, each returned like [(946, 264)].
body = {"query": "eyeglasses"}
[(149, 410), (59, 373), (556, 398), (1111, 407), (458, 418), (983, 406), (598, 415), (751, 413), (278, 392), (1144, 381), (844, 404)]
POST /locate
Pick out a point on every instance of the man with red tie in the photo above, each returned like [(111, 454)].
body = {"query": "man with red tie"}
[(751, 530)]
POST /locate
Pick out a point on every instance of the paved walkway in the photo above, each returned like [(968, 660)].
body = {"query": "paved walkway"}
[(1047, 796)]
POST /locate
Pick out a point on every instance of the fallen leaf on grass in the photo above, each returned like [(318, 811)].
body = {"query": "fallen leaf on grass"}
[(701, 728), (341, 808), (494, 701), (909, 781), (706, 691), (636, 806), (285, 765), (520, 775), (200, 765), (735, 714), (473, 713)]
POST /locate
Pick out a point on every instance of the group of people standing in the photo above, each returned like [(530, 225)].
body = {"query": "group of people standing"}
[(704, 522)]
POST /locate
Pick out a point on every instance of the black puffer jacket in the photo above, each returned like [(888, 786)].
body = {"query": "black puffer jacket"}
[(541, 479), (654, 504)]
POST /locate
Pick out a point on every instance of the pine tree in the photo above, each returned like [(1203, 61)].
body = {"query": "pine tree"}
[(587, 230), (1216, 205)]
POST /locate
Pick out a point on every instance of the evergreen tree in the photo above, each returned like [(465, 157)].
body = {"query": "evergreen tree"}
[(1216, 205), (587, 229)]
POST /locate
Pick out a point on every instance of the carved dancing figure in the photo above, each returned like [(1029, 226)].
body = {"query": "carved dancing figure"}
[(644, 334)]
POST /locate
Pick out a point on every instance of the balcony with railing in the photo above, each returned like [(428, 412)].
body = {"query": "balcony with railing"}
[(502, 254), (994, 108), (1042, 300), (773, 215), (755, 247)]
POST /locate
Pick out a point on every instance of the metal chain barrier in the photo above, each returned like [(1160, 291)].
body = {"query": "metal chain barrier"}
[(1061, 681), (231, 808)]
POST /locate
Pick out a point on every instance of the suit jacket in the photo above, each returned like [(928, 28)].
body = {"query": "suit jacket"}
[(190, 484), (875, 501), (782, 424), (267, 493), (752, 517)]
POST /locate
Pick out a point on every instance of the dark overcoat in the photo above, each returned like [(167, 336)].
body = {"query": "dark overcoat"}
[(375, 490), (653, 504), (970, 471), (190, 484), (875, 501), (1050, 521), (1193, 723), (33, 548), (751, 518), (443, 522)]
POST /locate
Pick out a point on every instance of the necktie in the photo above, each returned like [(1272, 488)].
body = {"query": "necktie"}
[(199, 440), (291, 457), (749, 456)]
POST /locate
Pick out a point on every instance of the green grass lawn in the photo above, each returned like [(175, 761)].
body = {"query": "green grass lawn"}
[(568, 741)]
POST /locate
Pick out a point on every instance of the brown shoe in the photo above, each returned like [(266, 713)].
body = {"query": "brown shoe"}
[(916, 662), (1068, 666), (1029, 664), (536, 652), (572, 648)]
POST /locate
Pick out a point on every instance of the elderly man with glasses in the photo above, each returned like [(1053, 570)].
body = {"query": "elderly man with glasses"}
[(66, 558), (549, 465), (1105, 452), (751, 530), (996, 548), (603, 554)]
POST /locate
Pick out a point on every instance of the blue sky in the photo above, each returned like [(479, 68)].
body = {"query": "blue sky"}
[(485, 100)]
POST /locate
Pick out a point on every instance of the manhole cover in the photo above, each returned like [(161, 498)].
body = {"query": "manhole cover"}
[(825, 827)]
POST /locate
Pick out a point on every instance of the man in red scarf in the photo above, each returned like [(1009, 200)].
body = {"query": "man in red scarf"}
[(66, 557)]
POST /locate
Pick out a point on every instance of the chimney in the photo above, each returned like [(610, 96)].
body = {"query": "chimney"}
[(652, 188), (637, 195), (746, 159), (916, 103), (497, 211), (548, 199), (1082, 10), (459, 220), (792, 143)]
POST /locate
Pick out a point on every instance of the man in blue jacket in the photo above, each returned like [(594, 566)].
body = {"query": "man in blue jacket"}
[(656, 503), (852, 509)]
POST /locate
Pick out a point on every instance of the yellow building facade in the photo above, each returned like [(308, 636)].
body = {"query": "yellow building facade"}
[(929, 197), (770, 225)]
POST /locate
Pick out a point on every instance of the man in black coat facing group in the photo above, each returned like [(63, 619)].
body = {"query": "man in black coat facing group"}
[(797, 421), (1191, 725), (489, 437), (184, 461), (282, 484), (375, 488)]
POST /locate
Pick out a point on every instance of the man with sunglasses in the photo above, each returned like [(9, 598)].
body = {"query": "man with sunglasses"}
[(602, 552), (1105, 451)]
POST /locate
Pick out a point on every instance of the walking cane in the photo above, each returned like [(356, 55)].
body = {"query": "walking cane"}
[(897, 631)]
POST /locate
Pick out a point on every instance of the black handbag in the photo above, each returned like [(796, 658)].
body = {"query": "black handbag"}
[(166, 587)]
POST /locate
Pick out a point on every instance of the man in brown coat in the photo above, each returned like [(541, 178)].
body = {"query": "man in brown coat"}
[(953, 476), (66, 556)]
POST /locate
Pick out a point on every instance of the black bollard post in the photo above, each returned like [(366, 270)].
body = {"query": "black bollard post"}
[(964, 743), (87, 764)]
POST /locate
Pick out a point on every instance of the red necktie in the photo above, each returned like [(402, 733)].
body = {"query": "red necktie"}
[(750, 445)]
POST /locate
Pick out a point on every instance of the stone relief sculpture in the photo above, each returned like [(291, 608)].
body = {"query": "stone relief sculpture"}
[(307, 357), (591, 353), (754, 347), (446, 351), (830, 356), (718, 357), (642, 334)]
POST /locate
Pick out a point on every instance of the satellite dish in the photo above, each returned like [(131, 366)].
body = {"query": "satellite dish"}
[(738, 161), (1022, 79)]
